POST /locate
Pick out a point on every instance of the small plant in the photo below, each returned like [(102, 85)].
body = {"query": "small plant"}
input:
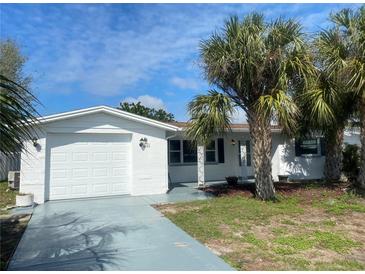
[(232, 180)]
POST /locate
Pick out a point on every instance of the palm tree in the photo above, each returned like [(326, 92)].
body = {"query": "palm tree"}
[(17, 116), (347, 55), (326, 108), (257, 65)]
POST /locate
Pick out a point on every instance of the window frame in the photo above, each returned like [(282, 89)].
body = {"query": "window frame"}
[(318, 145), (211, 150), (182, 162), (183, 152), (180, 152)]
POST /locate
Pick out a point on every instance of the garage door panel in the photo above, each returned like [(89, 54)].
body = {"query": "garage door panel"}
[(88, 165)]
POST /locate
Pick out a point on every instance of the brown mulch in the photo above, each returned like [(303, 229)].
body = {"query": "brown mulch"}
[(283, 188)]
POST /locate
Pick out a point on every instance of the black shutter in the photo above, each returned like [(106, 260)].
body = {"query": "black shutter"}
[(298, 151), (248, 153), (220, 150), (239, 153), (323, 146)]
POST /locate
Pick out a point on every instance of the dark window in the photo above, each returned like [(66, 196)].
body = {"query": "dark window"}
[(175, 151), (189, 152), (210, 152), (307, 147)]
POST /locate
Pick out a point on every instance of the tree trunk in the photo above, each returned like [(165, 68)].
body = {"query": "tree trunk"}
[(261, 145), (333, 162), (201, 167), (361, 178)]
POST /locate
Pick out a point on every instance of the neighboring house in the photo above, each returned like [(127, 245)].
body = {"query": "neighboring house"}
[(102, 151)]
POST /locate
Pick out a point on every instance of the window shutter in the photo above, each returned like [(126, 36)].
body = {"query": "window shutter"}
[(220, 150), (298, 151), (248, 152), (323, 146), (239, 153)]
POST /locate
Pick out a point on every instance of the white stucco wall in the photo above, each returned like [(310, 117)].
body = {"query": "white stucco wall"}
[(149, 171), (284, 162), (32, 168)]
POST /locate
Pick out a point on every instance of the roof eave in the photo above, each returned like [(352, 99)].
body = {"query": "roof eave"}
[(110, 110)]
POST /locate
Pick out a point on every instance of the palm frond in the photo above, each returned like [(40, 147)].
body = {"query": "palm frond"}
[(282, 108), (17, 116), (210, 116)]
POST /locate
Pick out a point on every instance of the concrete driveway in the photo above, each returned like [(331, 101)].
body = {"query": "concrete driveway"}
[(120, 233)]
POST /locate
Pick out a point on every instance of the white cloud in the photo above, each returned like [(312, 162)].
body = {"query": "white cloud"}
[(148, 101), (106, 49), (185, 83)]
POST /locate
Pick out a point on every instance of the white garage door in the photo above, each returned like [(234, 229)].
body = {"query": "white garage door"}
[(88, 165)]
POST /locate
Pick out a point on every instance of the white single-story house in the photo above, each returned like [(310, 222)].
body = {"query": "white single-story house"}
[(102, 151)]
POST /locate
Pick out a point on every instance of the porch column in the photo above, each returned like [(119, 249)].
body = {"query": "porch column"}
[(201, 160)]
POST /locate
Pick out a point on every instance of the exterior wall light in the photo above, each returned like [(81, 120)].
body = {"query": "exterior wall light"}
[(233, 142), (143, 143), (35, 141)]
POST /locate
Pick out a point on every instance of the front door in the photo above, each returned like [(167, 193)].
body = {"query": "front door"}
[(245, 158)]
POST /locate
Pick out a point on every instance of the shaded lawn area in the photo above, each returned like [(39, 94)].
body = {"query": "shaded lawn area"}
[(7, 196), (12, 226), (310, 227)]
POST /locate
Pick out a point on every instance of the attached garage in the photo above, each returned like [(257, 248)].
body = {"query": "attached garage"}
[(88, 165), (95, 152)]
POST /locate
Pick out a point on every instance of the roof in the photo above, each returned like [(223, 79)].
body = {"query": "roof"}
[(108, 110), (244, 127)]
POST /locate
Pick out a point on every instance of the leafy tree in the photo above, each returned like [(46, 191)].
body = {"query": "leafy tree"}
[(257, 65), (12, 62), (139, 109), (347, 56)]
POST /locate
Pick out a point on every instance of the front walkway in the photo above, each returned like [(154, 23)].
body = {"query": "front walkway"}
[(119, 233)]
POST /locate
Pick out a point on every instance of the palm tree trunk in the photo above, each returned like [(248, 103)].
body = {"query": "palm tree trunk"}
[(333, 162), (361, 178), (261, 145)]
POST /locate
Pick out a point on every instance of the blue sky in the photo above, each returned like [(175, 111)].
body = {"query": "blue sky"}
[(82, 55)]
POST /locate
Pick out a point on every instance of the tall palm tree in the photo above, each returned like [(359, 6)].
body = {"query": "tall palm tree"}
[(257, 65), (347, 55), (17, 116), (326, 108)]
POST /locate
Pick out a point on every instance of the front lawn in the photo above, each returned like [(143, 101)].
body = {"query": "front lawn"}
[(7, 196), (308, 228)]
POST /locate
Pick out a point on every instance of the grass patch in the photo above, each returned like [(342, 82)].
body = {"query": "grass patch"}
[(323, 239), (288, 222), (340, 265), (335, 241), (7, 196), (251, 239), (279, 250), (299, 231), (297, 242), (341, 205)]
